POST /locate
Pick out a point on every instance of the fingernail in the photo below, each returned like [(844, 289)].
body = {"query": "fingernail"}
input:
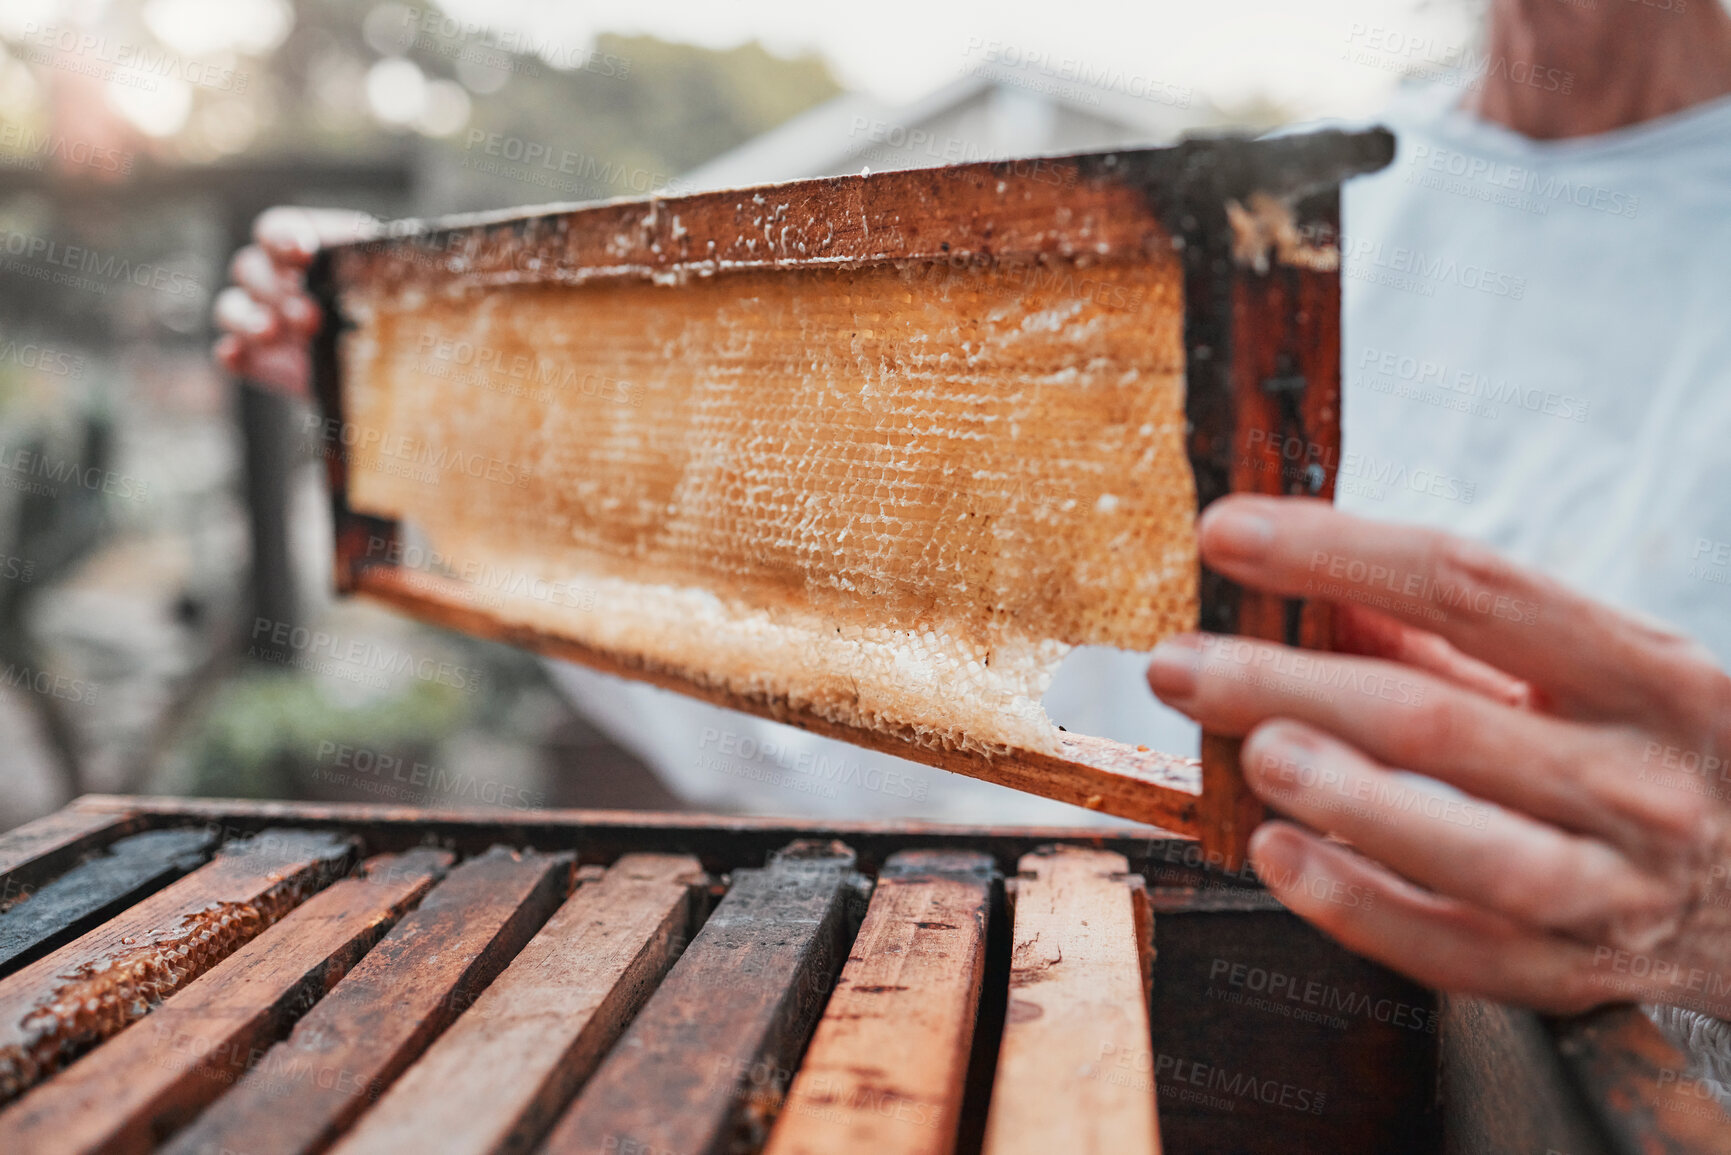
[(299, 311), (1235, 532), (1277, 754), (1279, 854), (304, 237), (1173, 666), (1271, 767)]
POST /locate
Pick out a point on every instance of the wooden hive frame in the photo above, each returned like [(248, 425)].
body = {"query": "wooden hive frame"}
[(1254, 226), (540, 980)]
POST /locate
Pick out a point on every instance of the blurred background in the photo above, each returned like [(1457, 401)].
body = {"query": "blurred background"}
[(164, 556)]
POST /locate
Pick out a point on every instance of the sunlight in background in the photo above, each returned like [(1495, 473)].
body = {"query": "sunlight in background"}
[(397, 90), (214, 93), (159, 110), (203, 27), (400, 94), (17, 15), (1231, 51)]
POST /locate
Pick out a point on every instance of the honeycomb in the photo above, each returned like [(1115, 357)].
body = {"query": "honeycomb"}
[(69, 1009), (892, 497)]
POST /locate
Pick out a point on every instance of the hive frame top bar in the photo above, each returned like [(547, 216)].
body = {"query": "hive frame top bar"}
[(1254, 225), (1183, 190)]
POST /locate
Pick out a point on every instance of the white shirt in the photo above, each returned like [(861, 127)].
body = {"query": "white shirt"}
[(1537, 350), (1536, 353)]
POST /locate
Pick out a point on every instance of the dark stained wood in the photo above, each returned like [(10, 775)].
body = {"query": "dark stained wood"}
[(1227, 813), (1505, 1089), (1651, 1100), (497, 1079), (309, 1088), (722, 842), (33, 853), (97, 889), (888, 1063), (1068, 1072), (131, 1093), (91, 988), (1268, 1036), (1120, 202), (989, 1020), (1280, 435), (707, 1059)]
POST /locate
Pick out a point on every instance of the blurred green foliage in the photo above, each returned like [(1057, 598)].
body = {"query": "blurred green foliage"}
[(634, 102), (676, 107)]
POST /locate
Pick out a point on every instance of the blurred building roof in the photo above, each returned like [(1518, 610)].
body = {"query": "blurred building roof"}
[(991, 112)]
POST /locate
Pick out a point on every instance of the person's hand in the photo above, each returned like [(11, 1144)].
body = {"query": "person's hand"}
[(1580, 856), (266, 315)]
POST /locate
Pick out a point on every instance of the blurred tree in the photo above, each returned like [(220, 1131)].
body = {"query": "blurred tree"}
[(675, 107), (636, 105)]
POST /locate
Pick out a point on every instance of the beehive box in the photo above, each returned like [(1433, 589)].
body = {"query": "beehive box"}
[(208, 976)]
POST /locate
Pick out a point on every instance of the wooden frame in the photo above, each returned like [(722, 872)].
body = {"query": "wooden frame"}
[(1255, 224), (1604, 1083)]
